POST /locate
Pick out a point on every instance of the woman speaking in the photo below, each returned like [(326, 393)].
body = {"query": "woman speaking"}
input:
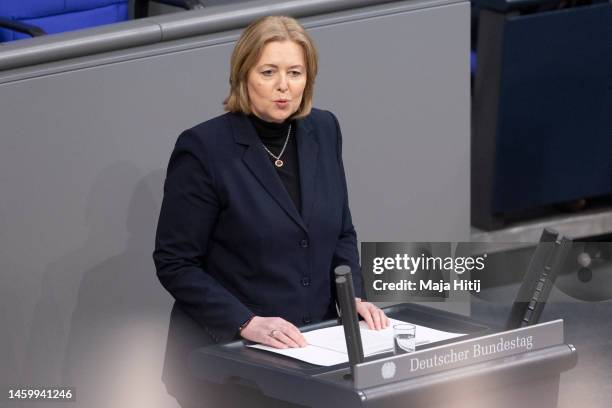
[(255, 214)]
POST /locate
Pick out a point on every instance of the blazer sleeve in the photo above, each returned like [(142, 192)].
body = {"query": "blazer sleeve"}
[(188, 215), (346, 249)]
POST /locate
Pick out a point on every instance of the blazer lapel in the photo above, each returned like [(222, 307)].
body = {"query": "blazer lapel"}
[(256, 159), (308, 152)]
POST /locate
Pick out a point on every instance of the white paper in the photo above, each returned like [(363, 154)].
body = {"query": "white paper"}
[(327, 347)]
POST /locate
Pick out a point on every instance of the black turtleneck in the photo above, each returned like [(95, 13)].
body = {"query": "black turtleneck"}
[(273, 136)]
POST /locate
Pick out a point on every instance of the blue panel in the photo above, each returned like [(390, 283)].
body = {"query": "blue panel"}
[(73, 21), (78, 5), (18, 9), (473, 62), (554, 136), (25, 9)]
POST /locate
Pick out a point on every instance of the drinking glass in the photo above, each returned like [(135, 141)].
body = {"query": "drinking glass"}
[(404, 338)]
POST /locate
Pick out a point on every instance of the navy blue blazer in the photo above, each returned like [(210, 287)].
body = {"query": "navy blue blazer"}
[(230, 243)]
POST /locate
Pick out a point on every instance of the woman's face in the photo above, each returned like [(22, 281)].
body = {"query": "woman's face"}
[(276, 83)]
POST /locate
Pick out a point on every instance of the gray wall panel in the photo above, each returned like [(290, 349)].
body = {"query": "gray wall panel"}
[(402, 99), (82, 160)]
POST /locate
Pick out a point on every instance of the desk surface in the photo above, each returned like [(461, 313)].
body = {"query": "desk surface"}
[(416, 314)]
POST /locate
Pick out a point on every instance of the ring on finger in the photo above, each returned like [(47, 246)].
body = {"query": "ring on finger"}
[(272, 332)]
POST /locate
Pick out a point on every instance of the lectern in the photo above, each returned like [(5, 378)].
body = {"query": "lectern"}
[(519, 367)]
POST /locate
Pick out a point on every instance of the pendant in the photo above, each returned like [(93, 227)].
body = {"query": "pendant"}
[(279, 163)]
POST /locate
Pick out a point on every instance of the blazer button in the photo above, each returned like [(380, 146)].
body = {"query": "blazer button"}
[(305, 281), (306, 319), (304, 243)]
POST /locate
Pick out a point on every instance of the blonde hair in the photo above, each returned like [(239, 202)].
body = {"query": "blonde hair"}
[(248, 50)]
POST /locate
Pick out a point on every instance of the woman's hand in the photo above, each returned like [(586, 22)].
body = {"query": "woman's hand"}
[(373, 316), (274, 332)]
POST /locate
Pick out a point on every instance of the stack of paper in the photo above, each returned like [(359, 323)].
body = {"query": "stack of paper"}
[(327, 347)]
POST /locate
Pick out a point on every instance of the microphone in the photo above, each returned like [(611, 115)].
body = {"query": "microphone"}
[(348, 314)]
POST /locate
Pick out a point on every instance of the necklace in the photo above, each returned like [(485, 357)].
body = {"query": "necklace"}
[(278, 162)]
